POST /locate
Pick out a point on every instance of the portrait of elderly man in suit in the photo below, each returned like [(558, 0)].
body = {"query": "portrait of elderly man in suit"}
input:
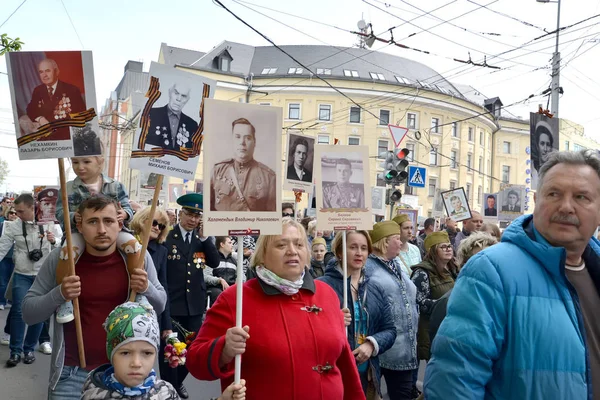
[(170, 127), (52, 100)]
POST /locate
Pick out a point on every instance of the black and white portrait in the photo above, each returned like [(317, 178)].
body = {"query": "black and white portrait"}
[(378, 200), (300, 156), (511, 200), (490, 204), (342, 180), (456, 204), (242, 167), (85, 141), (544, 141), (438, 203)]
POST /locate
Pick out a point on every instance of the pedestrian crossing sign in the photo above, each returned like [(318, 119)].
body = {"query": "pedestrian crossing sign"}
[(416, 176)]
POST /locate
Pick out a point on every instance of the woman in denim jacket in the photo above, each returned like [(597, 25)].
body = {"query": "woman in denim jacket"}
[(383, 269), (372, 330)]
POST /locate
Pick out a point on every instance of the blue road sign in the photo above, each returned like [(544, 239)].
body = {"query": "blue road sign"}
[(416, 176)]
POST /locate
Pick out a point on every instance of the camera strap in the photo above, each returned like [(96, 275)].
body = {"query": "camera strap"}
[(41, 228)]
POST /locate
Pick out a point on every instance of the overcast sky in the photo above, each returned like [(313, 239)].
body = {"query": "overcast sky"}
[(117, 31)]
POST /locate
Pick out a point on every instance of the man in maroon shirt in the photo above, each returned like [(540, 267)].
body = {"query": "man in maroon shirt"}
[(101, 283)]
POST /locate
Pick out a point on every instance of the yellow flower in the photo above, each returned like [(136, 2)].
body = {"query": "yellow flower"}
[(179, 347)]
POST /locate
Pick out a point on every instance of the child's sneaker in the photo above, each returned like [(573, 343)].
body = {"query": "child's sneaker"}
[(64, 313)]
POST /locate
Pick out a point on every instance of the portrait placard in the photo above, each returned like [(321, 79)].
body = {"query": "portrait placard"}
[(490, 207), (242, 165), (169, 138), (299, 163), (343, 190), (378, 200), (511, 199), (457, 206), (544, 140), (45, 198), (175, 191), (54, 103), (438, 203)]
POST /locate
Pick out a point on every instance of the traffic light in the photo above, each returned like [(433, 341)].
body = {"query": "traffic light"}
[(400, 164), (394, 166), (395, 196), (389, 172)]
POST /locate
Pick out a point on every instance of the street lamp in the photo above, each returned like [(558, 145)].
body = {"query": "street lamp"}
[(555, 64)]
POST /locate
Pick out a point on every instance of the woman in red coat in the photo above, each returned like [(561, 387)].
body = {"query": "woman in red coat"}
[(293, 343)]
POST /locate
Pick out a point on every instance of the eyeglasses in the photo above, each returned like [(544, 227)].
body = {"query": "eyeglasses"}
[(192, 215), (160, 226), (12, 213), (446, 247), (288, 214)]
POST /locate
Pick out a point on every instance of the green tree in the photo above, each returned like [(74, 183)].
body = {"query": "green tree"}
[(3, 171), (8, 44)]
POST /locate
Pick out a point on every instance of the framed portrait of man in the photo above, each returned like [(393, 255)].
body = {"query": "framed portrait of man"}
[(544, 136), (343, 191), (512, 202), (242, 168), (169, 138), (299, 162), (456, 204), (378, 200), (45, 198), (490, 206), (53, 92), (438, 203)]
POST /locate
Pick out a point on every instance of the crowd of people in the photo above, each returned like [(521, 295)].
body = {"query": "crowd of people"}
[(492, 314)]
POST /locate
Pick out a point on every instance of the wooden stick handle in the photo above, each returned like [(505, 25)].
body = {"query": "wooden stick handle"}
[(71, 261), (239, 285), (146, 233)]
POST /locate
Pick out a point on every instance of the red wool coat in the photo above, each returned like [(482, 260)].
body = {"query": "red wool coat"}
[(288, 347)]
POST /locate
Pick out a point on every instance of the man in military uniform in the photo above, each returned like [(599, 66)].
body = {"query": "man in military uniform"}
[(188, 254), (52, 100), (170, 128), (241, 183), (298, 156), (46, 205), (344, 194)]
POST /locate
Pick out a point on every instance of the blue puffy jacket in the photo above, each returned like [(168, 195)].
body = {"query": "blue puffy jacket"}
[(380, 320), (514, 329)]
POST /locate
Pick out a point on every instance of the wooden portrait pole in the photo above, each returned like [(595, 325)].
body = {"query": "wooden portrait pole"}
[(297, 199), (239, 286), (147, 226), (71, 261), (345, 272)]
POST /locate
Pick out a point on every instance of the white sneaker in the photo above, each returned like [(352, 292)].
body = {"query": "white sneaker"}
[(45, 348), (1, 307), (5, 340)]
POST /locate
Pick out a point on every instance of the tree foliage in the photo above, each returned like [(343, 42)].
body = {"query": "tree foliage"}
[(3, 171), (8, 44)]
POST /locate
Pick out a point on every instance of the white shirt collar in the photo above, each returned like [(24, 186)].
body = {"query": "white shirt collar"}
[(184, 232), (54, 87)]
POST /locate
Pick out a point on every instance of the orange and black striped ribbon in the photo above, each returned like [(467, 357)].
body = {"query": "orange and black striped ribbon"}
[(77, 120)]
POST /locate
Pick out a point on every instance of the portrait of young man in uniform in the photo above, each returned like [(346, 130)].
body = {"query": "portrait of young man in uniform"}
[(170, 127), (342, 193), (242, 183)]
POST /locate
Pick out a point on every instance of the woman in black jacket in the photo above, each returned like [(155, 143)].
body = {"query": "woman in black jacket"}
[(372, 329)]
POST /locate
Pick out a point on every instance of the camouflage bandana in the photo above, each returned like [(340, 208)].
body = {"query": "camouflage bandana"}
[(130, 322)]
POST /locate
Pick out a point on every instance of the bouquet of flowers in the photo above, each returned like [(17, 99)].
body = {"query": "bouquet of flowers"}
[(175, 350)]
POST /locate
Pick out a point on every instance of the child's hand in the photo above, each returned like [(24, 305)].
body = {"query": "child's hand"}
[(77, 218), (122, 215), (235, 392)]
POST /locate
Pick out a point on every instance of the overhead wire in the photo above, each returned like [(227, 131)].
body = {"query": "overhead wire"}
[(72, 24), (13, 13), (509, 16)]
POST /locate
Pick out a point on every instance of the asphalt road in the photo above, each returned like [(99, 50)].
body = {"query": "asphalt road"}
[(30, 382)]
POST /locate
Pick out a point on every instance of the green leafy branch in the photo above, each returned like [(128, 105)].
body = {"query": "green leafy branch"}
[(8, 44)]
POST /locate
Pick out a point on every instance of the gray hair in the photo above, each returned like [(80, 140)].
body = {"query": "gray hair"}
[(51, 61), (583, 157), (476, 240)]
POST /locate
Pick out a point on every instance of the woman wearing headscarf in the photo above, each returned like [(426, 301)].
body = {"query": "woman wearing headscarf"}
[(293, 343), (372, 330), (433, 277), (383, 269)]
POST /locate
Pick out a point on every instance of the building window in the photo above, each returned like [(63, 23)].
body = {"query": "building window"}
[(377, 76), (469, 162), (323, 71), (411, 152), (294, 111), (505, 174), (355, 115), (296, 71), (269, 71), (578, 147), (481, 139), (567, 145), (382, 147), (353, 141), (455, 129), (469, 193), (506, 147), (470, 134), (352, 73), (452, 185), (435, 125), (453, 156), (381, 182), (224, 64), (480, 164), (264, 104), (433, 156), (411, 120), (489, 139), (409, 189), (431, 186), (384, 117), (479, 194), (323, 139), (403, 80), (324, 112)]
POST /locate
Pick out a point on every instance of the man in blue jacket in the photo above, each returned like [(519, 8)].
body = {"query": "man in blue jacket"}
[(522, 319)]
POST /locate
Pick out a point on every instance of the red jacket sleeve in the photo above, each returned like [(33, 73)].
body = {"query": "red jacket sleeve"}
[(205, 351), (347, 365)]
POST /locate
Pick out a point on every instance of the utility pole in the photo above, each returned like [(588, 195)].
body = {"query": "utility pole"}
[(555, 94)]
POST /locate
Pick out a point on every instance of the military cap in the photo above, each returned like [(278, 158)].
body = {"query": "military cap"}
[(400, 219), (384, 229), (50, 193), (319, 240), (192, 202), (436, 238)]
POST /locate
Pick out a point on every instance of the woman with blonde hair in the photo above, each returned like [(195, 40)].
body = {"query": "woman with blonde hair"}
[(383, 269), (493, 230), (158, 234), (371, 331), (297, 349)]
